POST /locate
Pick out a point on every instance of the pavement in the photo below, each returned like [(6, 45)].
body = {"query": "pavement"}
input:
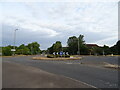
[(90, 72), (21, 76)]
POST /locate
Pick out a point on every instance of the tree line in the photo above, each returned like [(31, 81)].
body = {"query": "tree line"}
[(75, 46), (30, 49)]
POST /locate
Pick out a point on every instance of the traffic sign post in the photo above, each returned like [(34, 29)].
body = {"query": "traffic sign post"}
[(61, 53), (67, 53), (57, 53), (64, 54), (54, 53), (13, 50)]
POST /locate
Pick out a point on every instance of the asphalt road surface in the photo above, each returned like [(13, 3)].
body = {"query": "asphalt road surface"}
[(93, 75)]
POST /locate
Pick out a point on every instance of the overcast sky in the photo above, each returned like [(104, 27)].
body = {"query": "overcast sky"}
[(47, 22)]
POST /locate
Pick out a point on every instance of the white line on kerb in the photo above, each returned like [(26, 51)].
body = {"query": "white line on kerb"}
[(80, 81)]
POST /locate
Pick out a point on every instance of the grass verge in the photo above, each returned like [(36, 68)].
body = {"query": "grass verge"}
[(44, 58)]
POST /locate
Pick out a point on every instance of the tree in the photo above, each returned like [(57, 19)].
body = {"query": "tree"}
[(34, 48), (0, 51), (106, 50), (72, 45), (22, 49), (56, 47), (81, 39), (50, 50), (118, 47), (97, 51), (83, 48), (6, 51), (65, 49)]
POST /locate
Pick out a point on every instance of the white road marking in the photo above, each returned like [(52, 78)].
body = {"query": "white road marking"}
[(81, 82)]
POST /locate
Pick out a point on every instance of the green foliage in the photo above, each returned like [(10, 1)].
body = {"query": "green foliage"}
[(50, 56), (0, 49), (6, 51), (116, 48), (34, 48), (56, 47), (44, 51), (65, 49), (81, 39), (56, 56), (22, 49), (97, 51), (106, 50), (84, 50), (72, 45)]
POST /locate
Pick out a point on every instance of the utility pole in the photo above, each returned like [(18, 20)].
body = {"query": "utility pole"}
[(31, 50), (14, 40), (103, 53), (78, 46)]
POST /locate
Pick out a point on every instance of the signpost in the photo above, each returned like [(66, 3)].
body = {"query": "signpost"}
[(61, 53), (57, 53), (67, 53), (54, 53), (13, 50)]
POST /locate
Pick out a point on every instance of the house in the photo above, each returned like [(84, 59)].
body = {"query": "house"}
[(92, 45)]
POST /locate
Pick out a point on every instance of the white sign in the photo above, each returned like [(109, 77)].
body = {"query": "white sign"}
[(67, 53), (54, 53), (57, 53), (13, 50)]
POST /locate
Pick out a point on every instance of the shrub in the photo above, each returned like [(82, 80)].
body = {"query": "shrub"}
[(56, 56), (50, 56)]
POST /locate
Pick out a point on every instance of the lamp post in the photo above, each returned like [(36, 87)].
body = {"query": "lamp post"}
[(14, 40), (103, 53), (78, 47)]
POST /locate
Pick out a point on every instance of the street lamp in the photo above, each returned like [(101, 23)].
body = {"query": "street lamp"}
[(15, 40), (78, 47)]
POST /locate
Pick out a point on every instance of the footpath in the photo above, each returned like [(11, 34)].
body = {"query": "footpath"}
[(21, 76)]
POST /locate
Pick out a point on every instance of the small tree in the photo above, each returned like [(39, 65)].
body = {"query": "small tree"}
[(34, 48), (118, 47), (72, 45), (106, 50), (56, 47), (6, 51)]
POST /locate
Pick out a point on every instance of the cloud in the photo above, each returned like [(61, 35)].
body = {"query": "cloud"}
[(30, 26), (110, 40), (49, 22)]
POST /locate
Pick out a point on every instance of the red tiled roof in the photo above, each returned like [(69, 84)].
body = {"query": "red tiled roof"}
[(92, 45)]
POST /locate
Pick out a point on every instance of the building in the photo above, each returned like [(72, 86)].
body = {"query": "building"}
[(91, 45)]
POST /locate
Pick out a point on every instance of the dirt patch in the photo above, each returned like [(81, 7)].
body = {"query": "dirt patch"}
[(114, 66)]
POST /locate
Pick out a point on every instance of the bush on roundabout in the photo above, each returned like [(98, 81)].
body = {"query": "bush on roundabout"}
[(57, 56)]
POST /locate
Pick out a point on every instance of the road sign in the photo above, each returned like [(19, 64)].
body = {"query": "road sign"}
[(54, 53), (61, 53), (67, 53), (57, 53), (13, 50)]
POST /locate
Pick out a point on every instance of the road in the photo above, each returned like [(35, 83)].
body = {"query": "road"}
[(93, 75)]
